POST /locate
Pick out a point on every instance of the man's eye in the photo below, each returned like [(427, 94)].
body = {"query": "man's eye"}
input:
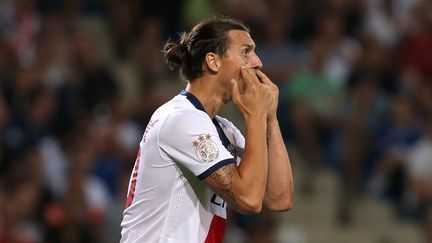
[(245, 52)]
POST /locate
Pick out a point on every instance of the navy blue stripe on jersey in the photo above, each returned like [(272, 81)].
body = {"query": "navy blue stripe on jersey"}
[(215, 167), (222, 136), (194, 100)]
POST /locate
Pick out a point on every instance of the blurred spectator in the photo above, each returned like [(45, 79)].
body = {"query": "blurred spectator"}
[(343, 51), (314, 98), (149, 47), (420, 176), (96, 83), (423, 100), (416, 48), (384, 22), (23, 186), (400, 133), (123, 23), (20, 28), (278, 54), (376, 60), (362, 114), (351, 12)]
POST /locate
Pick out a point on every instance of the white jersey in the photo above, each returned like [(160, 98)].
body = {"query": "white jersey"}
[(166, 200)]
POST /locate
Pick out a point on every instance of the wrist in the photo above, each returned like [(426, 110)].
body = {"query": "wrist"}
[(272, 118), (256, 119)]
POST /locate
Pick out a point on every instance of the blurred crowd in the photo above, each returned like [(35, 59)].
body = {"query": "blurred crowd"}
[(79, 80)]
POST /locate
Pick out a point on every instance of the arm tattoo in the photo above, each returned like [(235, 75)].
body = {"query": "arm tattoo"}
[(224, 178)]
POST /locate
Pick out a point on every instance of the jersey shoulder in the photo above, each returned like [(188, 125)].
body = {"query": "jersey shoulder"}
[(228, 126)]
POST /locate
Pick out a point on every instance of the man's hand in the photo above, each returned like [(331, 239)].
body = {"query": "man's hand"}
[(259, 96), (274, 91)]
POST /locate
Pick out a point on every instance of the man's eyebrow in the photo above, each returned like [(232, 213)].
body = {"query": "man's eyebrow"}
[(249, 46)]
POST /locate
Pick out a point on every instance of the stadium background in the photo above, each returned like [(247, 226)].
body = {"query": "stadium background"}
[(80, 78)]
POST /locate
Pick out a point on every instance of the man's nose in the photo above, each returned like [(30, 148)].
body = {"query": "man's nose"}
[(256, 62)]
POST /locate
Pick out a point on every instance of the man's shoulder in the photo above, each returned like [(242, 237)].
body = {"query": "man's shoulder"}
[(182, 116), (178, 106)]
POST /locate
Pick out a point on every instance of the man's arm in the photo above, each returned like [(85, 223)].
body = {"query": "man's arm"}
[(279, 190)]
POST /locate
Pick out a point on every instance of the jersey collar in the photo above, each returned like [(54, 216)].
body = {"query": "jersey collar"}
[(194, 100)]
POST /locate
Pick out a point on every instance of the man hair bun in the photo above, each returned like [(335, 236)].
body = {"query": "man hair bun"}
[(176, 53)]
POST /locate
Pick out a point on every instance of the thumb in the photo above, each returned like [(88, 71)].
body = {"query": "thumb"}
[(235, 93)]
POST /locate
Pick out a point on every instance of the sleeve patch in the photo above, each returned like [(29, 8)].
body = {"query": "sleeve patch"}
[(206, 149)]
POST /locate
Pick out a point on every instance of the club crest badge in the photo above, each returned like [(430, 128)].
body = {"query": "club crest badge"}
[(206, 149)]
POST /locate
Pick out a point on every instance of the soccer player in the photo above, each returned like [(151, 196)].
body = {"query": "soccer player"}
[(192, 163)]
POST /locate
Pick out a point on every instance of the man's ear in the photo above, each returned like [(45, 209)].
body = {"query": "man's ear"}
[(212, 61)]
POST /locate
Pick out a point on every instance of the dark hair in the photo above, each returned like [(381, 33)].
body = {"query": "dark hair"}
[(187, 55)]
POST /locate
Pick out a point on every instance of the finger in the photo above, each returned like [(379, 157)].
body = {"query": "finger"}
[(235, 93), (263, 77), (249, 76)]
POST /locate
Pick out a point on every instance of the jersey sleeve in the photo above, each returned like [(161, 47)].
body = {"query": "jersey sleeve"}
[(234, 135), (190, 139), (240, 141)]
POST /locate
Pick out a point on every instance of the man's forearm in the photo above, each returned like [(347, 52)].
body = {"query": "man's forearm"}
[(253, 169), (279, 188)]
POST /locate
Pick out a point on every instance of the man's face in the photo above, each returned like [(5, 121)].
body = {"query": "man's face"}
[(241, 52)]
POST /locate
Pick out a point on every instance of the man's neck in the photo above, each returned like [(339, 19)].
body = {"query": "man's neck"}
[(209, 97)]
